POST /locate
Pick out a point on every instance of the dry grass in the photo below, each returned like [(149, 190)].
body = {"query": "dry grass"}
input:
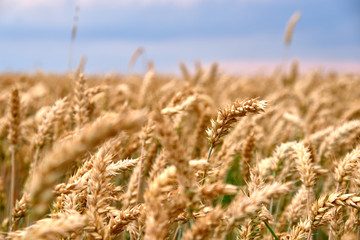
[(202, 156)]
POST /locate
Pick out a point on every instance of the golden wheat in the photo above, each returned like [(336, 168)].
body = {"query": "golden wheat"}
[(198, 156)]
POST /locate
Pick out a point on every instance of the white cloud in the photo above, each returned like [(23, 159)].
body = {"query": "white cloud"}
[(32, 4), (33, 12), (139, 2), (20, 13)]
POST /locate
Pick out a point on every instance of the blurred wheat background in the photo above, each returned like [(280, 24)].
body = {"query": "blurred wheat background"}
[(212, 150)]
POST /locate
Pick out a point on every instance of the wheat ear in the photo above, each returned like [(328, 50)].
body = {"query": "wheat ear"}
[(57, 161), (14, 132)]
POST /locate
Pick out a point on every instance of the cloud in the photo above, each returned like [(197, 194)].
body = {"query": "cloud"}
[(38, 31), (33, 4), (53, 4), (22, 5), (139, 2), (19, 14), (57, 12)]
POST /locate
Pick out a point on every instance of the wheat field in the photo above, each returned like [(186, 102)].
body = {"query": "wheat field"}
[(204, 155)]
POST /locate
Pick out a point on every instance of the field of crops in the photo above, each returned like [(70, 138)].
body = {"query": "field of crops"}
[(204, 155)]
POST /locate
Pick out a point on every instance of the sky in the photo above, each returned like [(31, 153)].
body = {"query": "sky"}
[(241, 35)]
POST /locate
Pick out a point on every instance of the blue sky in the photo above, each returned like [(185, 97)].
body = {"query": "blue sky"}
[(239, 34)]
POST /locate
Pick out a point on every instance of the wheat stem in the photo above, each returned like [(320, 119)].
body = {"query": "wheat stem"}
[(140, 173), (208, 157), (12, 186), (271, 231), (37, 153)]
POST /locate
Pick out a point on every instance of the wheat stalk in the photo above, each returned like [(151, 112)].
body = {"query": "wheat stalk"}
[(290, 27)]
